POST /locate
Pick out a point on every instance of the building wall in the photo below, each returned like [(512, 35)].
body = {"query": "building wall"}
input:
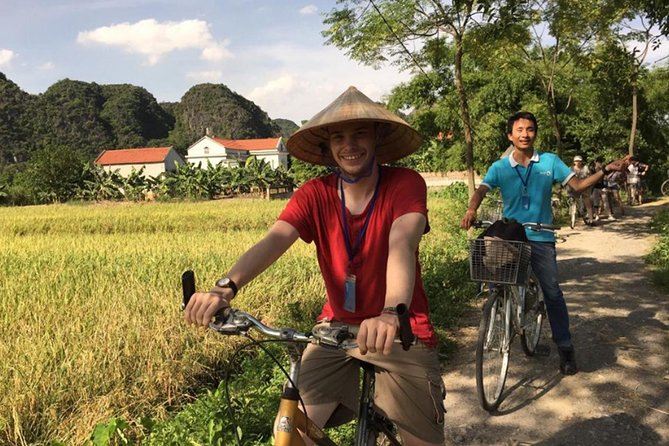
[(206, 149), (150, 170)]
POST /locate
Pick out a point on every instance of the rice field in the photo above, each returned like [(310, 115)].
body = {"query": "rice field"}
[(90, 323)]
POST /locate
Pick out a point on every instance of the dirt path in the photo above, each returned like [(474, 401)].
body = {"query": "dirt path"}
[(620, 325)]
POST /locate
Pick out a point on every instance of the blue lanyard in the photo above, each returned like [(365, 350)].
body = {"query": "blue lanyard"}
[(527, 175), (353, 249)]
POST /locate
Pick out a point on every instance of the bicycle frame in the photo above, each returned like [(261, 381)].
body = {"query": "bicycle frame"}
[(292, 421)]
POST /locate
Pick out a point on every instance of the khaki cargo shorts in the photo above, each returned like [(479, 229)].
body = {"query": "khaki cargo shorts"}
[(409, 389)]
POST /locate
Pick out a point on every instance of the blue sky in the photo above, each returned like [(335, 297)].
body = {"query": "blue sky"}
[(269, 51)]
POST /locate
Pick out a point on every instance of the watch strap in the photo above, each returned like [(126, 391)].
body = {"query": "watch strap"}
[(227, 282)]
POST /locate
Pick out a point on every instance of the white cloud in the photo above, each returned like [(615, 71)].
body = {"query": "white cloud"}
[(281, 86), (154, 39), (6, 56), (217, 52), (205, 76), (309, 10), (46, 66), (298, 81)]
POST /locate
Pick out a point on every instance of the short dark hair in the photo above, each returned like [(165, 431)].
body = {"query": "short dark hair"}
[(518, 116)]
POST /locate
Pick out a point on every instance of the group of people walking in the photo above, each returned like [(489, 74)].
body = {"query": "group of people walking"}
[(600, 200)]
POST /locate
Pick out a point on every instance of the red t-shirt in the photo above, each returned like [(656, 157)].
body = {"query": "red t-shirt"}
[(315, 211)]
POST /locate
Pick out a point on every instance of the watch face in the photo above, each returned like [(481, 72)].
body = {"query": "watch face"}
[(223, 283)]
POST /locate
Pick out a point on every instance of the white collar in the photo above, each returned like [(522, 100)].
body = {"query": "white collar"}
[(514, 163)]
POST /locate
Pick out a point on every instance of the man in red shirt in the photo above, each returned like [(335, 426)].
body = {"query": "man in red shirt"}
[(366, 221)]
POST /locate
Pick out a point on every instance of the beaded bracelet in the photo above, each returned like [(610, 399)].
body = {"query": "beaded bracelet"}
[(389, 310)]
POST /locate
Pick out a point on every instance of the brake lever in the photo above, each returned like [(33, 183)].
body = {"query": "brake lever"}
[(231, 322)]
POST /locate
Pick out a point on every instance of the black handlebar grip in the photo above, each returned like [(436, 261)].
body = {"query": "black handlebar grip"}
[(188, 287), (406, 335)]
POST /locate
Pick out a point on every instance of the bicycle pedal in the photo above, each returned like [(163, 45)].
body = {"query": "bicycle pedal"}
[(542, 350)]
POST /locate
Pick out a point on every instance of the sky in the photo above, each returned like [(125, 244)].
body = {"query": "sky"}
[(269, 51)]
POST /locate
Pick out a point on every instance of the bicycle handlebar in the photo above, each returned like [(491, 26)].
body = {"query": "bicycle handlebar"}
[(238, 322), (545, 227)]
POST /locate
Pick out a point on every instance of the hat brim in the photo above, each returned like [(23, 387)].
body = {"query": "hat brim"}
[(310, 142)]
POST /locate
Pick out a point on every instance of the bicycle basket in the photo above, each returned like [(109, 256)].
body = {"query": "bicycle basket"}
[(494, 260)]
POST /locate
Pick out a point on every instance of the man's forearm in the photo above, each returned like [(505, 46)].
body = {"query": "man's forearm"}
[(579, 185), (477, 198)]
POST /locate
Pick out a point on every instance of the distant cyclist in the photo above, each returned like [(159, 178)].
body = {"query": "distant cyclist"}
[(526, 180)]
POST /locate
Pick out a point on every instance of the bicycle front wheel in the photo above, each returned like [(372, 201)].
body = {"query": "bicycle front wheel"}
[(492, 350), (665, 188), (533, 317)]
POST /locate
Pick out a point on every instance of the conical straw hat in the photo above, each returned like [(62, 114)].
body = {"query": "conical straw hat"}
[(309, 143)]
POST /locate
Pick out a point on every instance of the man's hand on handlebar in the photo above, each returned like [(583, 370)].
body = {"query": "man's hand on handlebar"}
[(468, 219), (202, 307), (377, 334)]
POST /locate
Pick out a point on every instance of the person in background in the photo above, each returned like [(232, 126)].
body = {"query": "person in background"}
[(636, 173), (526, 179), (582, 171), (366, 220), (600, 195), (613, 182)]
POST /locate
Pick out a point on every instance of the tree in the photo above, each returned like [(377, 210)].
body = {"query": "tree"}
[(373, 32), (54, 173), (637, 37), (99, 184)]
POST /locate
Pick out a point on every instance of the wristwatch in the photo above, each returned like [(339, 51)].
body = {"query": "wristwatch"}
[(226, 282)]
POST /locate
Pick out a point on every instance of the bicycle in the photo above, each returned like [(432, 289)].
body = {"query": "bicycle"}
[(514, 306), (664, 188), (372, 427)]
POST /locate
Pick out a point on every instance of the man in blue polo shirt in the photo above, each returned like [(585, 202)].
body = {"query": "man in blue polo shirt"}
[(525, 179)]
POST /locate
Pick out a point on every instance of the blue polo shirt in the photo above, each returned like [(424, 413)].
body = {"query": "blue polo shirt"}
[(543, 170)]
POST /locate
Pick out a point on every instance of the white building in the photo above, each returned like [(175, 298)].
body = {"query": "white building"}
[(233, 152), (154, 160)]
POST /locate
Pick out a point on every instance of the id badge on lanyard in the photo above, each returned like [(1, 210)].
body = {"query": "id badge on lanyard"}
[(349, 293), (525, 200), (352, 249), (525, 197)]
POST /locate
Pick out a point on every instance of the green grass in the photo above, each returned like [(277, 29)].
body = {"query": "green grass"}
[(658, 258), (91, 326)]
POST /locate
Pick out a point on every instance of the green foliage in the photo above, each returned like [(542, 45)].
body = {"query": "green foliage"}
[(134, 116), (301, 172), (53, 174), (659, 255), (15, 105), (110, 433)]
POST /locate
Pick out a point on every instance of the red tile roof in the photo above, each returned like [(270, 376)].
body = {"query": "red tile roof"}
[(133, 156), (249, 144)]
